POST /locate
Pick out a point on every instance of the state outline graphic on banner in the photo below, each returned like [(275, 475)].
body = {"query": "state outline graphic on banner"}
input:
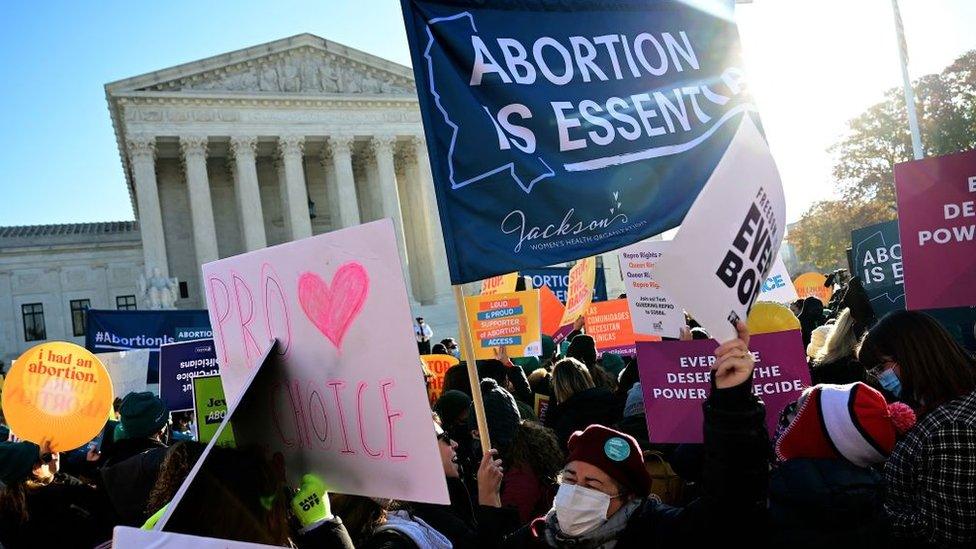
[(857, 253), (585, 165)]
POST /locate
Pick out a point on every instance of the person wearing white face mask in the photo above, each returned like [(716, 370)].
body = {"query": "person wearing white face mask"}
[(603, 500)]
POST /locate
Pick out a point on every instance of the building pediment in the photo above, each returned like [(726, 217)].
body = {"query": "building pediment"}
[(304, 64)]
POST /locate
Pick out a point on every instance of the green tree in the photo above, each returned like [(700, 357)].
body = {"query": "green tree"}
[(876, 140)]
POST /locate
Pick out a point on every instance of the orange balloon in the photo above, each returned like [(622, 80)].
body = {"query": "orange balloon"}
[(812, 284), (57, 392)]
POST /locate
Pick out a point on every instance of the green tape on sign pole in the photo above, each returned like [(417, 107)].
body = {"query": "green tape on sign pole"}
[(209, 408)]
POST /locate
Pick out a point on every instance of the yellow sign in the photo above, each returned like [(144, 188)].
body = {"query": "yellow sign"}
[(766, 317), (812, 284), (437, 366), (57, 391), (501, 284), (579, 291), (506, 320)]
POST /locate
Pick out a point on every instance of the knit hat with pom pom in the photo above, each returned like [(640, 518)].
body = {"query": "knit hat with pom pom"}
[(853, 422)]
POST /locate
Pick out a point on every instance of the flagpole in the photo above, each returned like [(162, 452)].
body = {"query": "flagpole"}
[(467, 351), (906, 81)]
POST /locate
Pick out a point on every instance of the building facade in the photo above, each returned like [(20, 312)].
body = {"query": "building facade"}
[(49, 275), (258, 147)]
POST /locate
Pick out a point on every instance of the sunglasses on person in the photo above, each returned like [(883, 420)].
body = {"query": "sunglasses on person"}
[(444, 437)]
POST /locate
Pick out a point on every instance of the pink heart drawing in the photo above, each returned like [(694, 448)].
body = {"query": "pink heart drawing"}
[(333, 309)]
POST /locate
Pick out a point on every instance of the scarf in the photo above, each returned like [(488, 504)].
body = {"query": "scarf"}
[(601, 537), (416, 529)]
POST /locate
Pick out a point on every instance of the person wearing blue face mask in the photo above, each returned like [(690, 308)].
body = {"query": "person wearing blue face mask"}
[(931, 474)]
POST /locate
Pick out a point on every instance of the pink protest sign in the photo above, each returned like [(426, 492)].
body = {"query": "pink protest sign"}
[(675, 380), (937, 222), (344, 406)]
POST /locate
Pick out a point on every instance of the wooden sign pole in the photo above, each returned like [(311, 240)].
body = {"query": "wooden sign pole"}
[(467, 352)]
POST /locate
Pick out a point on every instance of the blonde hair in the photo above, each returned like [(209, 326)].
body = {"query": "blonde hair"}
[(570, 376), (841, 342)]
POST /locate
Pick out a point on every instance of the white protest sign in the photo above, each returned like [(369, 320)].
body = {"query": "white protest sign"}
[(124, 537), (353, 406), (128, 370), (778, 286), (726, 246), (652, 311)]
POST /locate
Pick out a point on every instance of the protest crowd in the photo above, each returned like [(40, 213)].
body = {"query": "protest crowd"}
[(877, 453), (713, 404)]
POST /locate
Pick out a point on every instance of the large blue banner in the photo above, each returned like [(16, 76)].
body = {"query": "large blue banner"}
[(109, 331), (559, 130), (557, 278), (179, 363), (876, 256)]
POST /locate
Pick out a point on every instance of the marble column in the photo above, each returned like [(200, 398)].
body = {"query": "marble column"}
[(290, 148), (194, 150), (142, 159), (340, 147), (420, 250), (279, 166), (383, 154), (442, 278), (247, 191), (329, 177)]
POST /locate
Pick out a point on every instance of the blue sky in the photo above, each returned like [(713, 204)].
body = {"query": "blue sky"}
[(58, 157)]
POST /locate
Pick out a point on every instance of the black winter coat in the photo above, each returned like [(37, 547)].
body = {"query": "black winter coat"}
[(129, 482), (732, 511), (819, 503), (592, 406), (839, 372)]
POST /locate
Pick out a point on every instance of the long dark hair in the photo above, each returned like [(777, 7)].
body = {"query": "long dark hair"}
[(933, 368)]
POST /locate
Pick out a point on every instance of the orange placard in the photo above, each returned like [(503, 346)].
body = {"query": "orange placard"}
[(60, 392), (437, 366), (608, 323), (579, 292), (501, 284), (505, 320), (812, 284), (551, 310), (541, 406)]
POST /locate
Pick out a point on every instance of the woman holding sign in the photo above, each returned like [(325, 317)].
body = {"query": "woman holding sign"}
[(603, 494)]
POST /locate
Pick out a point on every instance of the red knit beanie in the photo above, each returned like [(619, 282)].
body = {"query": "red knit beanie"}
[(616, 454), (852, 422)]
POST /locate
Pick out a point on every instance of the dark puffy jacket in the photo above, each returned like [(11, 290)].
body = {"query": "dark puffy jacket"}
[(732, 511), (128, 483), (826, 503), (583, 409)]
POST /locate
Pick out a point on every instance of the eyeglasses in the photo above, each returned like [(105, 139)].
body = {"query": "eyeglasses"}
[(880, 368), (444, 437)]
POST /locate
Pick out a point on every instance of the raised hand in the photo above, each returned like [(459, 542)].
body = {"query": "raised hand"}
[(735, 362), (490, 480)]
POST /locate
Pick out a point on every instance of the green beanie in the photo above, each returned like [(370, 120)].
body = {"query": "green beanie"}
[(17, 460), (548, 347), (142, 415)]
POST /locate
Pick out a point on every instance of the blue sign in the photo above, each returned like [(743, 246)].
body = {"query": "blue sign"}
[(876, 256), (559, 130), (557, 278), (179, 363), (108, 331)]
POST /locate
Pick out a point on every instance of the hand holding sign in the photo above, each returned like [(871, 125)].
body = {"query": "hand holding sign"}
[(59, 394), (734, 361)]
